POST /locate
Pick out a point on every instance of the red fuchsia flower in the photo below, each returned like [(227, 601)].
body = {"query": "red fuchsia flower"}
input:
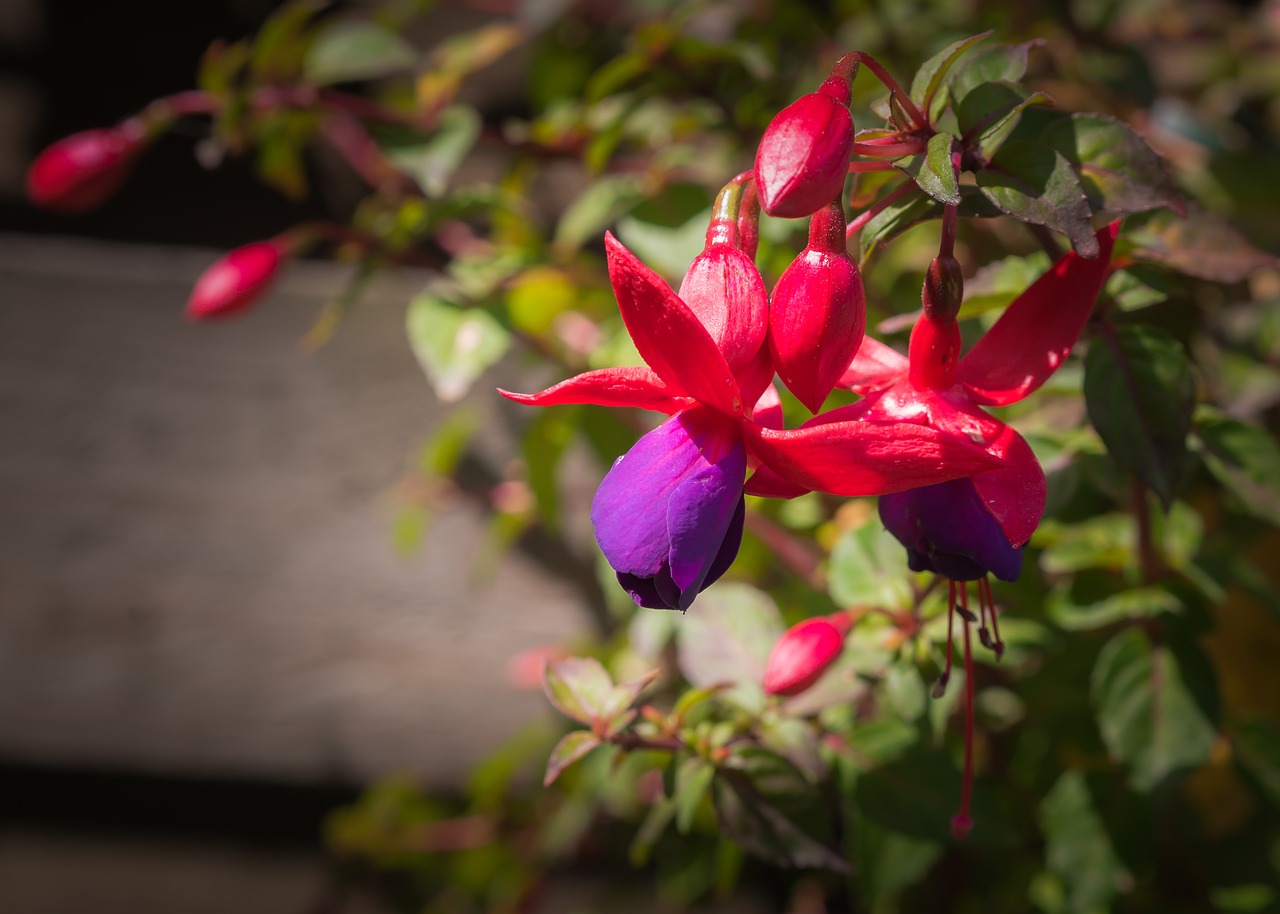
[(237, 280), (804, 653), (668, 515), (803, 158), (818, 315), (79, 172), (965, 529)]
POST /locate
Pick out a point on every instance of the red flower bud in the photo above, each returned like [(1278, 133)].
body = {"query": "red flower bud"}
[(803, 158), (725, 290), (818, 314), (943, 289), (803, 654), (81, 171), (236, 281)]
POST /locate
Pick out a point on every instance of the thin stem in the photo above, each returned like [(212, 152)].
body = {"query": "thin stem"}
[(860, 221), (348, 138), (888, 150), (962, 822), (870, 166), (1148, 556), (894, 88), (984, 584), (1046, 239)]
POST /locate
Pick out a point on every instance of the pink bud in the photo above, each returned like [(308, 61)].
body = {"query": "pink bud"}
[(236, 281), (803, 654), (724, 289), (803, 158), (818, 314), (79, 172)]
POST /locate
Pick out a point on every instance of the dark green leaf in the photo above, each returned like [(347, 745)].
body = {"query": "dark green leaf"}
[(453, 345), (1246, 460), (727, 639), (1138, 286), (571, 748), (1002, 63), (1078, 848), (1157, 705), (1036, 184), (1119, 171), (693, 780), (1202, 245), (1140, 394), (764, 830), (1257, 749), (932, 170), (655, 823), (348, 50), (988, 114), (929, 80)]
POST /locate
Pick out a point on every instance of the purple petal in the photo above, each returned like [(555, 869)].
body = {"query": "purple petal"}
[(947, 530)]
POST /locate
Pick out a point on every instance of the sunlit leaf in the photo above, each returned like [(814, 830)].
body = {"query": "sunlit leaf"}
[(932, 170), (868, 567), (1078, 848), (1119, 171), (727, 638), (572, 747), (453, 345), (1036, 184), (349, 50)]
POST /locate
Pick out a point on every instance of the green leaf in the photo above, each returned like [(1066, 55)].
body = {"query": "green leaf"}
[(454, 346), (988, 114), (667, 251), (1157, 705), (1138, 286), (598, 206), (580, 688), (1119, 171), (1141, 394), (1202, 245), (1002, 63), (349, 50), (1257, 750), (727, 639), (933, 170), (997, 284), (1246, 460), (929, 80), (1067, 610), (1036, 184), (868, 567), (572, 747), (762, 829), (1078, 848), (281, 45), (432, 162), (693, 780)]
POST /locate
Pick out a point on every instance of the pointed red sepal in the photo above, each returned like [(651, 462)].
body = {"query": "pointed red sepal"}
[(855, 458), (875, 366), (1034, 336), (636, 387), (1015, 495), (668, 334), (768, 484)]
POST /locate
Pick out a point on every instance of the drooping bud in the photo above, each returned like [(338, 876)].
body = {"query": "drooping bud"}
[(724, 288), (804, 653), (79, 172), (818, 313), (803, 158), (237, 280), (943, 288)]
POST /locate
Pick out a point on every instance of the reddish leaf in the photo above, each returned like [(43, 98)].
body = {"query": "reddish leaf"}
[(572, 747)]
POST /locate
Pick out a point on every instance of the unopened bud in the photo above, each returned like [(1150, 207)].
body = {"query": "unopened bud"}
[(237, 280), (804, 653), (943, 288), (803, 158), (79, 172), (817, 316)]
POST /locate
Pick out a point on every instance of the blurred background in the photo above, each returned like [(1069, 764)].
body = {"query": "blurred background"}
[(209, 639)]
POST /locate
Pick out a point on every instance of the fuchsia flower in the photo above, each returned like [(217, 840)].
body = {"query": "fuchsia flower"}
[(668, 515), (79, 172), (804, 653), (237, 280)]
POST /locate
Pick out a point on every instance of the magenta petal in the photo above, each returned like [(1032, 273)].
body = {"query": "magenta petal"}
[(1035, 334), (668, 334), (665, 512), (875, 366), (637, 387), (853, 458)]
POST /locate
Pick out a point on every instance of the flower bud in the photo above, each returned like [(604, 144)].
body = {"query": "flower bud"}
[(725, 290), (803, 158), (943, 288), (79, 172), (803, 654), (237, 280), (818, 313)]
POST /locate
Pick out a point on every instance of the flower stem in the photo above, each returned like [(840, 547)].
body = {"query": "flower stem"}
[(962, 821), (894, 87), (860, 221)]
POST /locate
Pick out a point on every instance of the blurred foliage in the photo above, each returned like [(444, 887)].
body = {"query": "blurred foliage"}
[(1129, 748)]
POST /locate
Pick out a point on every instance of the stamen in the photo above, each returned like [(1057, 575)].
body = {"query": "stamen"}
[(963, 608), (962, 822), (984, 591), (940, 688)]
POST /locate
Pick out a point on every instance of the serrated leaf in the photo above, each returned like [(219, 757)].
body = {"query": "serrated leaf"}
[(1036, 184), (727, 639), (1246, 460), (933, 170), (988, 114), (1202, 245), (1257, 750), (453, 345), (1078, 848), (1157, 705), (571, 747), (432, 162), (868, 567), (1120, 173), (349, 50), (932, 75), (580, 688), (693, 780), (1140, 394)]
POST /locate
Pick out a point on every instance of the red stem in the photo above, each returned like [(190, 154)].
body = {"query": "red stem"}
[(888, 150), (870, 166), (860, 221), (962, 821), (894, 88)]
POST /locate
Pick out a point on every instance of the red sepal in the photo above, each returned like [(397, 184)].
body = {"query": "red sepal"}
[(635, 387)]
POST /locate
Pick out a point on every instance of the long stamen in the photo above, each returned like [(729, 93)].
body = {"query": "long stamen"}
[(940, 688), (962, 822), (997, 644), (984, 634)]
